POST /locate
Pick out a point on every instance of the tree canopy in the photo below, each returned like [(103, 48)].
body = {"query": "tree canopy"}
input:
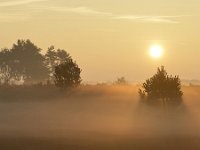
[(161, 87), (25, 62), (67, 74), (55, 57)]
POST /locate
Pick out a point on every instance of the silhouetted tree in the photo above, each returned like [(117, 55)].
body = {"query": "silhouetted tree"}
[(7, 74), (25, 60), (67, 74), (121, 81), (162, 87), (55, 57), (30, 60)]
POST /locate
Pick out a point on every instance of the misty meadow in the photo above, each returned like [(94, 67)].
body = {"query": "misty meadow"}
[(99, 75), (45, 105)]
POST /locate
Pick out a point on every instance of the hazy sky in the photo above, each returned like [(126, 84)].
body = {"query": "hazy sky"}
[(110, 38)]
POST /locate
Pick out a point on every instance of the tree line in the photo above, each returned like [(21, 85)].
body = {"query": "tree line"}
[(24, 63)]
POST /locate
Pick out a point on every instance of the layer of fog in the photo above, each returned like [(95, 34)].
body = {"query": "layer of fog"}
[(112, 112)]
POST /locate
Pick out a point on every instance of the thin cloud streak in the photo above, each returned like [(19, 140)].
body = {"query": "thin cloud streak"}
[(136, 18), (79, 10), (19, 2), (153, 19), (92, 12), (39, 9)]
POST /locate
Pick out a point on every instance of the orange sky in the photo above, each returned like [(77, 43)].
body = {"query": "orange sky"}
[(110, 38)]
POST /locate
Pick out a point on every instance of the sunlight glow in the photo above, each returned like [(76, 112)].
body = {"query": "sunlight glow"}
[(156, 51)]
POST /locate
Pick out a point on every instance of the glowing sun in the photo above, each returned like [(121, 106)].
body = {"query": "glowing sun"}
[(156, 51)]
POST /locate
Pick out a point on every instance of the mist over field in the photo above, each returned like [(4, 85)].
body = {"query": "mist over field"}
[(99, 75), (95, 117)]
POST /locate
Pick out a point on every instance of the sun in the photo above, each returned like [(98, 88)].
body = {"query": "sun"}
[(156, 51)]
